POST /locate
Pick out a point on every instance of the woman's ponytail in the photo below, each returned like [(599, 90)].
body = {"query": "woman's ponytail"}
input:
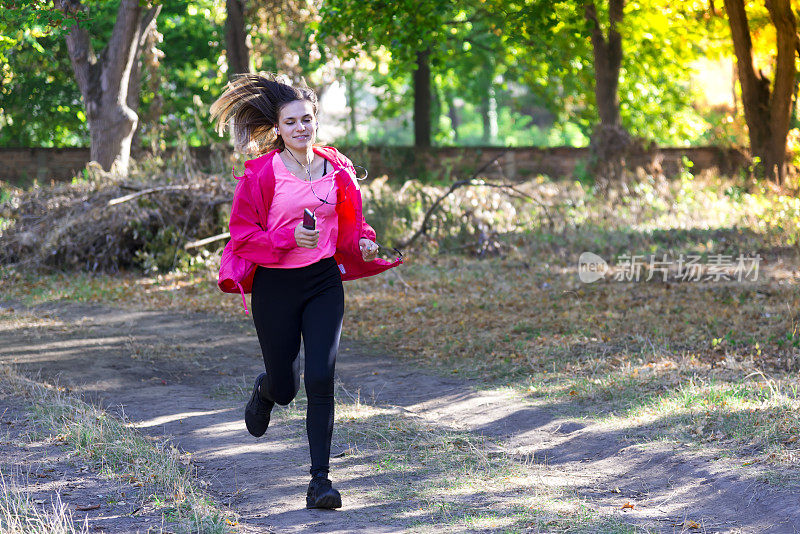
[(253, 102)]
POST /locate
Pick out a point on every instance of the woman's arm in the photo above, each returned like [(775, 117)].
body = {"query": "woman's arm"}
[(367, 239), (250, 240), (367, 232)]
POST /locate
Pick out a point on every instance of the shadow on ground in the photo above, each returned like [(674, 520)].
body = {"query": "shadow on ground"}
[(185, 377)]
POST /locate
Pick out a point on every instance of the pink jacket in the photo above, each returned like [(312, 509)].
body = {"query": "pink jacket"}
[(251, 245)]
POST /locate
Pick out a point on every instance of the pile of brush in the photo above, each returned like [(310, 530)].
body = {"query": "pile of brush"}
[(103, 223)]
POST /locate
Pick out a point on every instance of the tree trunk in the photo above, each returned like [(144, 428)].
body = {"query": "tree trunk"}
[(610, 142), (489, 112), (607, 60), (795, 92), (422, 100), (767, 115), (146, 52), (105, 82), (236, 38), (780, 11), (494, 128), (452, 112), (488, 103), (437, 102)]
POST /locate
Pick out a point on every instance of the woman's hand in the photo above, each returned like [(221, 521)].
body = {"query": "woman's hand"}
[(369, 249), (306, 238)]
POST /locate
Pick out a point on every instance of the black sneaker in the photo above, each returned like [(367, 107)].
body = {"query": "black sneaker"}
[(256, 413), (322, 495)]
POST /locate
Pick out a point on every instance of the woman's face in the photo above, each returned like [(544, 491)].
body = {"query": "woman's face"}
[(297, 125)]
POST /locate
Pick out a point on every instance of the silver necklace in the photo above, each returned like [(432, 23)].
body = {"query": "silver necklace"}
[(307, 169), (311, 183)]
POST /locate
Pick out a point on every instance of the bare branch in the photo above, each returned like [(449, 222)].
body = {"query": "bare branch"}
[(148, 23), (135, 78), (206, 241), (455, 185), (79, 46), (126, 198)]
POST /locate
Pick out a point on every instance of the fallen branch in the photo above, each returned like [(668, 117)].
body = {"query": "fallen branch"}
[(453, 187), (126, 198), (534, 200), (461, 183), (206, 241)]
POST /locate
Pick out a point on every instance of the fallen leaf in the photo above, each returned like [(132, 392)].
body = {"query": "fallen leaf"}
[(690, 524), (628, 505)]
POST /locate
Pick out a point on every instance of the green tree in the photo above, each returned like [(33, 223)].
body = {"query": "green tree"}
[(183, 69), (415, 32), (471, 66), (109, 81), (608, 62), (191, 75), (623, 65)]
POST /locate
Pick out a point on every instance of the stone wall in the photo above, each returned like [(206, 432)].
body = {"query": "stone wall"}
[(519, 163), (20, 166)]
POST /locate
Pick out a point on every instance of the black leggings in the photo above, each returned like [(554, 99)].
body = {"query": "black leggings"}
[(287, 303)]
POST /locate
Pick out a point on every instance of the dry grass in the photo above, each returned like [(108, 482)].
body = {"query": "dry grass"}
[(106, 222), (162, 474), (20, 514)]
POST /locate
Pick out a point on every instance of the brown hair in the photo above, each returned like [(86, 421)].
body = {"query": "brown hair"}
[(254, 102)]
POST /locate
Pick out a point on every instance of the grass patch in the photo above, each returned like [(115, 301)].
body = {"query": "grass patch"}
[(19, 514), (161, 472), (232, 390), (759, 418)]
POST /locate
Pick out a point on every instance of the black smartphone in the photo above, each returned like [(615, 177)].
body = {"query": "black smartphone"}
[(309, 222)]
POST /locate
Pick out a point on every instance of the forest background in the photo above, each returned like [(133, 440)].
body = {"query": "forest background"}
[(425, 73)]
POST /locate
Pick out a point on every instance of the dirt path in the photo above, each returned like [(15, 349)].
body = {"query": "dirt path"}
[(178, 375)]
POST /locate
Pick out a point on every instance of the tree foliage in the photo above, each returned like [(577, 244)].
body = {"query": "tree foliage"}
[(528, 61), (40, 104)]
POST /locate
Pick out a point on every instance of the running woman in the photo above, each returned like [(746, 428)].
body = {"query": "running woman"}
[(297, 231)]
